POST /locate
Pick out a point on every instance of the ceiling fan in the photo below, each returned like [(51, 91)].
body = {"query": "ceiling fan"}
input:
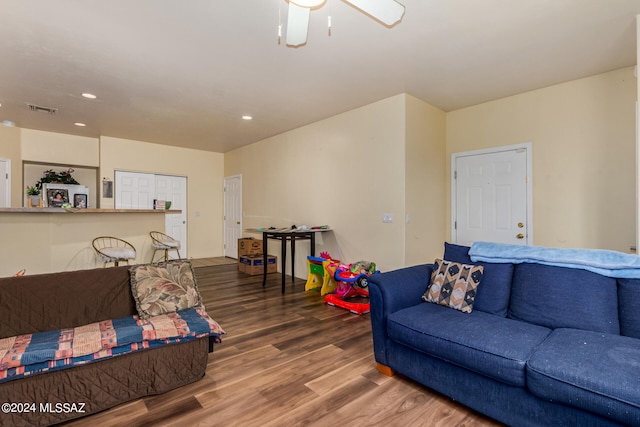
[(388, 12)]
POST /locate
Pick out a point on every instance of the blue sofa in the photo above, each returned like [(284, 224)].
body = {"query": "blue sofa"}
[(543, 345)]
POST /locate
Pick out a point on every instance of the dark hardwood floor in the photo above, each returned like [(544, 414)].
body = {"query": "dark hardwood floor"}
[(287, 360)]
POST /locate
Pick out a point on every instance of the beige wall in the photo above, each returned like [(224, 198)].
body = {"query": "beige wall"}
[(425, 181), (204, 172), (49, 147), (583, 135), (345, 171), (637, 224)]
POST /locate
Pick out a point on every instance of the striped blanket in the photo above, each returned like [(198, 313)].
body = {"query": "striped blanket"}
[(48, 351)]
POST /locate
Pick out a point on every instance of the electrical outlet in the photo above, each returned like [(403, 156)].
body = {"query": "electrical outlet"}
[(387, 218)]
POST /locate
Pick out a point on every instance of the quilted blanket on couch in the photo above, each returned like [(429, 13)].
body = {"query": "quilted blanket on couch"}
[(42, 352)]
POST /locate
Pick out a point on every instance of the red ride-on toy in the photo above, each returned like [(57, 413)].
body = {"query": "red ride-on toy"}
[(352, 282)]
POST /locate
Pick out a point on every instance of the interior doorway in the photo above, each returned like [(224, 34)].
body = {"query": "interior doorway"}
[(491, 195), (232, 214)]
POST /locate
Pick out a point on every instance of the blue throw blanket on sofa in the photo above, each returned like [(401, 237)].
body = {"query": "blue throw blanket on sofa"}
[(604, 262), (30, 354)]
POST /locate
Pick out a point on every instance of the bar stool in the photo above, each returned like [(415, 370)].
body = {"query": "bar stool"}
[(163, 242), (113, 249)]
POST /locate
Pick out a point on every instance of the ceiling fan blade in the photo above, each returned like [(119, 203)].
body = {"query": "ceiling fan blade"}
[(297, 25), (389, 12)]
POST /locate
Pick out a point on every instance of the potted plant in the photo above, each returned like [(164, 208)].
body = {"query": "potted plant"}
[(50, 176), (34, 195)]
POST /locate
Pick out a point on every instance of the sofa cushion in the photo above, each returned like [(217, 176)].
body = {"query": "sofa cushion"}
[(164, 288), (490, 345), (590, 370), (628, 299), (561, 297), (493, 296), (453, 285)]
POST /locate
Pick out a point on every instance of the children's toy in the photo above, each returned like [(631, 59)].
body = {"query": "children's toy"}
[(352, 282), (321, 271), (329, 283), (316, 273)]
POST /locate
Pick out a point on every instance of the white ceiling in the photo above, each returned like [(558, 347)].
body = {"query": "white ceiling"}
[(184, 72)]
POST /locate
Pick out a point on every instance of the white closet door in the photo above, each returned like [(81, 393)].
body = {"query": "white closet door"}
[(5, 180), (134, 190), (174, 189)]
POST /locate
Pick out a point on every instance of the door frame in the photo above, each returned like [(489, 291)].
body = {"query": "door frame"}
[(528, 147), (8, 181), (224, 211)]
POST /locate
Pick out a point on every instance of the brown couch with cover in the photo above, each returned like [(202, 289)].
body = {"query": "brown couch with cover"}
[(46, 302)]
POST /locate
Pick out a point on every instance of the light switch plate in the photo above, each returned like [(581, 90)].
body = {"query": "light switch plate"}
[(387, 218)]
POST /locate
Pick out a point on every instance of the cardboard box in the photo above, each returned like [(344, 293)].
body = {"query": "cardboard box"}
[(254, 264), (249, 246)]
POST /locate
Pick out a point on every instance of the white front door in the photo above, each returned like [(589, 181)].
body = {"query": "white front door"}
[(174, 189), (5, 183), (134, 190), (232, 215), (491, 196)]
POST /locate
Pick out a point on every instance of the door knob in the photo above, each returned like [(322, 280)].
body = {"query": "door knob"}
[(520, 236)]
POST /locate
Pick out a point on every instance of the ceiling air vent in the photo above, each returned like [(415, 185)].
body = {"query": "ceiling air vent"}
[(41, 109)]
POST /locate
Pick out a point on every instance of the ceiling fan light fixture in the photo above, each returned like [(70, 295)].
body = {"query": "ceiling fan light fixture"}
[(388, 12), (297, 25), (308, 3)]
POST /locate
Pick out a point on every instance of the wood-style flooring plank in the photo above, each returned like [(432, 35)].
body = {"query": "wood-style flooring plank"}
[(287, 360)]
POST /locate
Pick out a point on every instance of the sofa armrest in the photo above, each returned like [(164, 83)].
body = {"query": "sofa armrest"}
[(390, 292)]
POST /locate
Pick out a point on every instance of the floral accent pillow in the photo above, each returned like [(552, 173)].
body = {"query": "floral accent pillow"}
[(164, 288), (454, 285)]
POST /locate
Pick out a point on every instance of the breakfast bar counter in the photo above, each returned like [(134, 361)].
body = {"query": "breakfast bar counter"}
[(46, 240), (37, 210)]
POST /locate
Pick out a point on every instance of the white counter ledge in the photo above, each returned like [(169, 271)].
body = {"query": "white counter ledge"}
[(86, 211)]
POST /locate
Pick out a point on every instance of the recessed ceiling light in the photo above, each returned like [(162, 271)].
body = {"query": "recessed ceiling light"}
[(247, 117), (8, 123), (80, 124), (89, 95)]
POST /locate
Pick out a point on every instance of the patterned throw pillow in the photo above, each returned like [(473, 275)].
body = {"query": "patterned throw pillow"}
[(454, 285), (164, 288)]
